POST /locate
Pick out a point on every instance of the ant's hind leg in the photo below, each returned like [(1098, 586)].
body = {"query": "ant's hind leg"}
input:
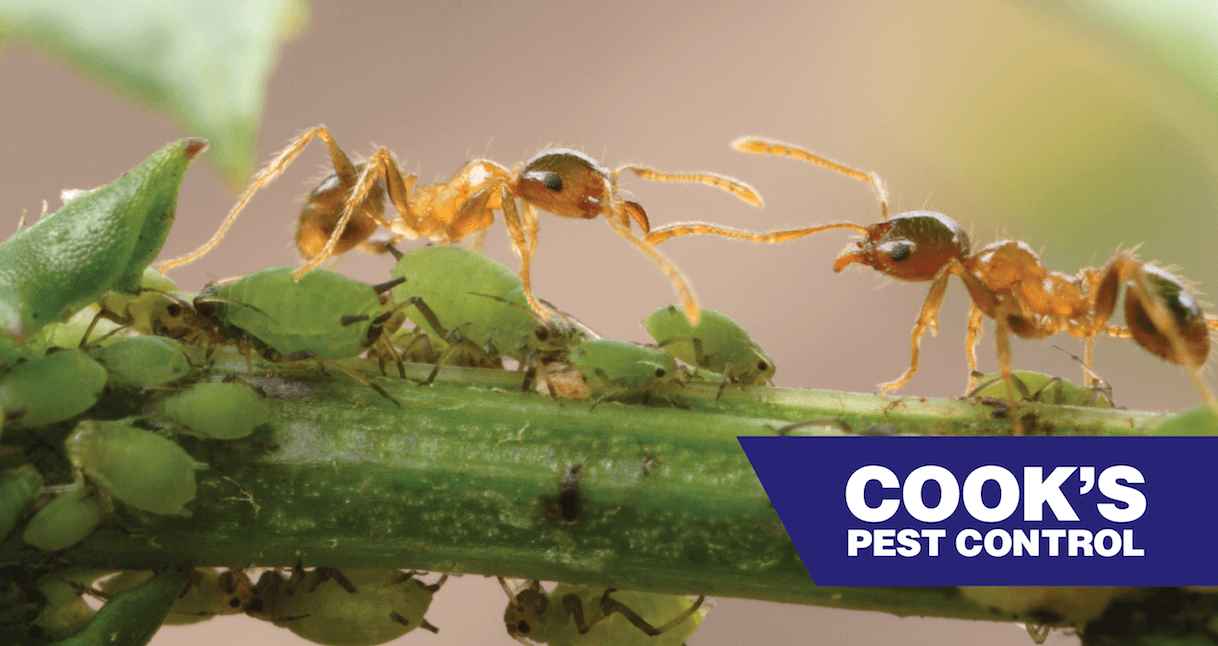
[(1003, 339), (342, 166), (381, 164)]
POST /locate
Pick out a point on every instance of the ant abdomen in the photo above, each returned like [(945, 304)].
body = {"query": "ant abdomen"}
[(911, 246), (322, 210), (1185, 314)]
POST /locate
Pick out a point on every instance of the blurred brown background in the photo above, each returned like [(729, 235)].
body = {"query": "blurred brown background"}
[(1015, 121)]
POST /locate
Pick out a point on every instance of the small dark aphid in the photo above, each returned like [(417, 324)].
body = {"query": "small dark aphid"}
[(568, 494)]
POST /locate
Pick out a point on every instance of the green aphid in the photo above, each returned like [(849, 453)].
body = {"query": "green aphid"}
[(139, 310), (51, 389), (140, 361), (349, 608), (19, 488), (99, 241), (135, 466), (471, 301), (325, 314), (716, 344), (66, 520), (612, 366), (580, 615), (1041, 388), (210, 593), (1198, 421), (219, 411), (66, 613), (133, 616)]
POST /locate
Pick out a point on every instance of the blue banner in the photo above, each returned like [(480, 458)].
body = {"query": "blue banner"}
[(938, 511)]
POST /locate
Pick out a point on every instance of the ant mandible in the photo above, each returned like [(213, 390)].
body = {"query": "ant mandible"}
[(347, 207), (1005, 280)]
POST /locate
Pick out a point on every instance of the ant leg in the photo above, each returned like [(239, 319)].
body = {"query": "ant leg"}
[(704, 228), (617, 219), (523, 244), (975, 331), (342, 165), (760, 146), (731, 185), (380, 165), (479, 240), (930, 311), (1003, 339)]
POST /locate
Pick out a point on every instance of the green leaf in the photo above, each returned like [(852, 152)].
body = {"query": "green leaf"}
[(206, 63)]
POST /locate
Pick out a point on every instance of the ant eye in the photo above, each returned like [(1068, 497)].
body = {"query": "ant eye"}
[(553, 181), (542, 334), (523, 627), (763, 366), (901, 251), (659, 372)]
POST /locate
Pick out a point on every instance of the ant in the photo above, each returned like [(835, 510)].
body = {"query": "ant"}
[(1005, 280), (347, 207)]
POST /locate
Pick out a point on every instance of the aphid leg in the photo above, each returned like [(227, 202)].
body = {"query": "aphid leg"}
[(381, 164), (1038, 633), (620, 224), (976, 330), (345, 370), (435, 587), (726, 371), (731, 185), (757, 145), (1054, 386), (342, 165), (84, 340), (609, 605), (926, 318), (536, 366), (425, 625), (327, 573)]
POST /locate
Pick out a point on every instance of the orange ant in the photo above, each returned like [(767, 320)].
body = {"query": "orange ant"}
[(348, 206), (1005, 280)]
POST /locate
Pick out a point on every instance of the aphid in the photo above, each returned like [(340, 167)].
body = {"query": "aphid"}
[(133, 616), (353, 608), (66, 520), (19, 488), (100, 241), (716, 344), (1005, 280), (577, 615), (218, 411), (135, 466), (140, 361), (51, 389), (1041, 388), (348, 206), (65, 612), (210, 593), (324, 315), (485, 312), (618, 367)]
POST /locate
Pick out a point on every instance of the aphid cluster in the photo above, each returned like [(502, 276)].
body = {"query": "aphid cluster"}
[(115, 341)]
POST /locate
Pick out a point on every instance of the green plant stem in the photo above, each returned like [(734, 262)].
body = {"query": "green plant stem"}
[(463, 477)]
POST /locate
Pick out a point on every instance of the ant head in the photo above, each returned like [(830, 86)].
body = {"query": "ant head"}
[(910, 246), (567, 183), (1180, 305)]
